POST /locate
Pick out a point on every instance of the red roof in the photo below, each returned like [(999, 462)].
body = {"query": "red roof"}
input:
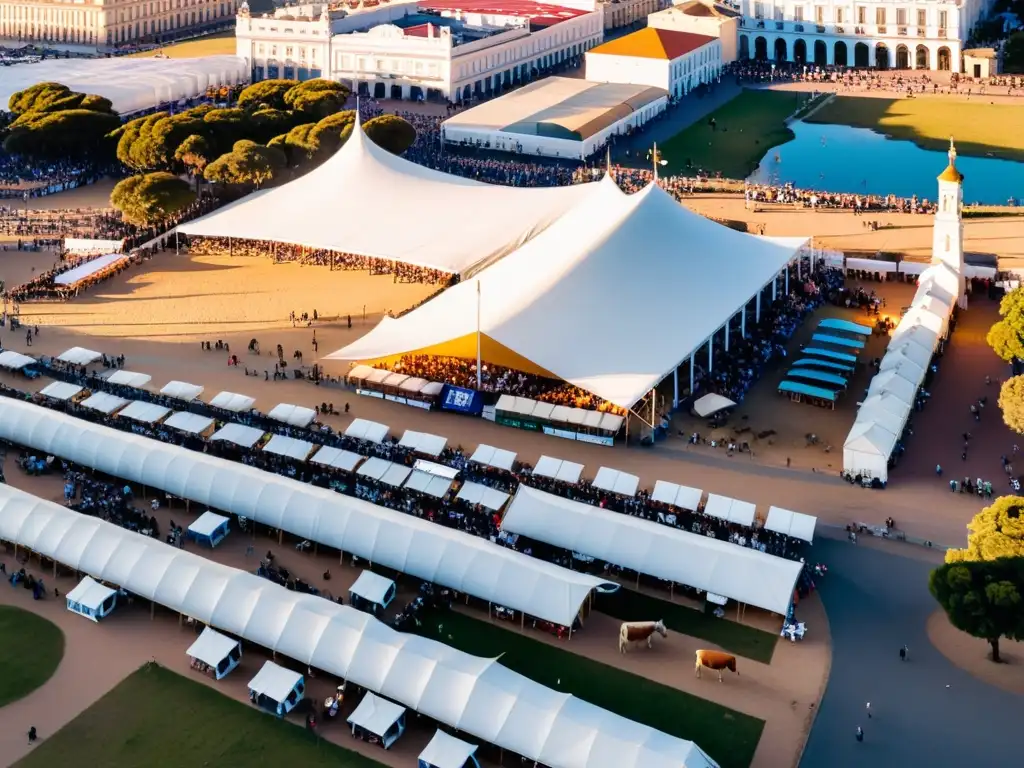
[(420, 30), (539, 14), (651, 43)]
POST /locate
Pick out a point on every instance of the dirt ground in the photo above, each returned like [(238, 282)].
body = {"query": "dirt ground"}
[(972, 655)]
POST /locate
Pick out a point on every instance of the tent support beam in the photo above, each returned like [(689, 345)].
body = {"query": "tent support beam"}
[(675, 387)]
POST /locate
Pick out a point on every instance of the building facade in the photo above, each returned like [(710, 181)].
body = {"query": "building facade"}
[(618, 13), (107, 23), (418, 50), (886, 34), (702, 17)]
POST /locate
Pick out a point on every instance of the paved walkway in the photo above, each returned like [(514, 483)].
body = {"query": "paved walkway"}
[(926, 711)]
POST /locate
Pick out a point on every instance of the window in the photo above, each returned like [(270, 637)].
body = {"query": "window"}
[(943, 15), (922, 18), (779, 13), (839, 16), (819, 14), (880, 16), (758, 10), (862, 15), (798, 13), (901, 17)]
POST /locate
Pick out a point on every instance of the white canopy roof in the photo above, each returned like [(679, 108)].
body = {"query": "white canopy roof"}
[(207, 523), (423, 442), (490, 456), (890, 382), (375, 714), (14, 360), (372, 586), (370, 431), (60, 390), (432, 485), (145, 413), (182, 390), (233, 402), (329, 456), (239, 434), (582, 266), (681, 496), (870, 438), (711, 404), (446, 751), (79, 356), (295, 415), (104, 402), (190, 423), (795, 524), (910, 349), (288, 446), (617, 482), (566, 471), (485, 496), (904, 365), (275, 682), (374, 468), (90, 593), (305, 211), (211, 647), (732, 510), (129, 379), (887, 420), (395, 475), (477, 696), (741, 573)]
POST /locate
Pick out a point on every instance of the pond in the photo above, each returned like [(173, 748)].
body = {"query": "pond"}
[(838, 158)]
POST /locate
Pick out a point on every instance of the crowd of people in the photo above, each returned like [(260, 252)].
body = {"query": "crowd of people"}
[(788, 194), (43, 287), (20, 177)]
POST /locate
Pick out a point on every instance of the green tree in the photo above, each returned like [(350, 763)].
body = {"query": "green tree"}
[(982, 599), (194, 154), (1006, 336), (70, 133), (1013, 54), (995, 532), (265, 124), (1011, 403), (328, 135), (247, 164), (316, 99), (391, 132), (266, 93), (55, 97), (151, 198)]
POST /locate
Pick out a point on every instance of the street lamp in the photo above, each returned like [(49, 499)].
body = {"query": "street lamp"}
[(656, 159)]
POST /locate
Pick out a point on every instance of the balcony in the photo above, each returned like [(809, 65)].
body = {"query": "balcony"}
[(798, 27), (760, 24), (859, 31), (840, 30), (780, 25), (882, 29), (902, 31), (942, 33), (820, 29)]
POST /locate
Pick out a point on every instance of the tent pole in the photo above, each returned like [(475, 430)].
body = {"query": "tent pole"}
[(479, 371), (177, 249), (231, 247), (280, 537), (675, 387)]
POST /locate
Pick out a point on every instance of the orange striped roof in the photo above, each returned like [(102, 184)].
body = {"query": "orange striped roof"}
[(653, 43)]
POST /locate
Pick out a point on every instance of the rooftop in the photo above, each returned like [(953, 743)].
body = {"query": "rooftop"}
[(653, 43), (705, 9), (540, 15)]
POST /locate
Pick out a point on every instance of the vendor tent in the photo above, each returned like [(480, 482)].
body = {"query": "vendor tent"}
[(556, 469), (795, 524), (209, 528), (294, 415), (60, 390), (189, 423), (431, 485), (230, 401), (730, 510), (276, 689), (79, 356), (379, 717), (329, 456), (143, 412), (104, 402), (290, 447), (681, 496), (14, 361), (375, 589), (615, 481), (91, 599), (182, 390), (446, 751), (490, 456), (239, 434), (484, 495), (370, 431), (867, 450), (581, 267), (422, 442), (305, 211), (711, 404), (218, 652), (129, 379)]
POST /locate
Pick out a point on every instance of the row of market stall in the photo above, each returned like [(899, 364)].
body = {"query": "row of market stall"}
[(822, 372), (587, 426)]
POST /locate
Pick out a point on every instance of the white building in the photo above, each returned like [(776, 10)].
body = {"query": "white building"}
[(678, 62), (703, 17), (562, 117), (888, 34), (451, 49), (618, 13)]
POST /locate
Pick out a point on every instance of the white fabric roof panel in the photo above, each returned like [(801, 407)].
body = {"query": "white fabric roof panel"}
[(129, 379), (104, 402), (795, 524), (395, 475), (446, 751), (871, 439), (207, 523), (711, 404), (583, 264), (370, 431), (405, 543), (90, 593), (557, 469), (490, 456), (79, 356), (189, 423), (330, 456), (484, 495), (374, 468), (60, 390), (14, 360), (211, 647), (182, 390), (740, 573), (239, 434), (432, 485), (681, 496), (731, 510), (423, 442), (375, 714), (295, 415), (615, 481), (304, 211), (372, 586), (288, 446), (274, 681), (145, 413), (231, 401)]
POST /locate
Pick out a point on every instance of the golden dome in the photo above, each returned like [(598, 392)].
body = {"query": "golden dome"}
[(951, 173)]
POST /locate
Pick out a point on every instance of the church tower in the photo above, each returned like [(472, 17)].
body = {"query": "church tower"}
[(948, 237)]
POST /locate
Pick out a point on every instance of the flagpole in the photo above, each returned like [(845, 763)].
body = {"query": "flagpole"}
[(479, 371), (654, 154)]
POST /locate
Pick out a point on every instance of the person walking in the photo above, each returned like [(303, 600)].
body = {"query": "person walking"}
[(867, 708), (32, 735), (859, 734), (904, 653), (938, 470)]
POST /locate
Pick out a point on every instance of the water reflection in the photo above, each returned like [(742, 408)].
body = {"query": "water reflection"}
[(838, 158)]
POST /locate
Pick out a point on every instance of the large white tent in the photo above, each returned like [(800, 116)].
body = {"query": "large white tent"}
[(740, 573), (405, 543), (477, 696), (491, 221), (575, 302)]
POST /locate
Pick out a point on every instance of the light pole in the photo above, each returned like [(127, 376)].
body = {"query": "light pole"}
[(656, 159)]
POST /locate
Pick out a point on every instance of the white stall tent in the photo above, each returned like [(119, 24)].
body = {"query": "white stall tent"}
[(890, 422), (867, 450), (295, 415), (730, 510), (484, 495), (60, 390), (909, 349), (475, 695), (432, 485), (740, 573), (615, 481), (129, 379), (91, 599), (490, 456), (446, 751), (239, 434), (795, 524), (903, 364), (182, 390), (374, 468), (104, 402), (189, 423), (888, 403), (557, 469), (892, 383), (206, 524), (232, 401), (144, 413), (380, 717), (278, 684), (682, 496), (214, 649), (91, 267), (405, 543), (711, 404), (289, 446), (370, 431), (79, 356), (396, 475), (423, 442), (374, 588), (14, 361), (329, 456)]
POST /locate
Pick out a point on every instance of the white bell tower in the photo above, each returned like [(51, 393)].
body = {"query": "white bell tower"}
[(948, 238)]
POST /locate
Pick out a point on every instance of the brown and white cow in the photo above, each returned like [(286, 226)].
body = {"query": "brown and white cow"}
[(716, 660), (639, 631)]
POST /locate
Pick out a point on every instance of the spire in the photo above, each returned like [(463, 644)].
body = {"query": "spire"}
[(951, 174)]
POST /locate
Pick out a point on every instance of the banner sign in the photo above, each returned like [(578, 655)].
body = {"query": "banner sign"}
[(461, 400), (565, 434), (370, 393), (595, 439)]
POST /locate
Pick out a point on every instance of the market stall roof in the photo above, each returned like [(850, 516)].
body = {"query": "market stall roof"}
[(376, 714), (484, 495), (129, 379), (490, 456), (207, 523), (289, 446), (182, 390), (579, 267), (374, 468), (230, 401), (477, 696), (423, 442), (795, 524), (557, 469), (304, 211), (239, 434), (79, 356), (867, 437), (104, 402), (615, 481), (144, 413), (681, 496), (711, 404), (385, 537), (446, 751), (740, 573), (295, 415), (329, 456), (432, 485), (274, 681), (730, 510), (396, 475), (14, 360), (60, 390), (90, 593), (211, 647), (370, 431), (189, 423), (372, 586)]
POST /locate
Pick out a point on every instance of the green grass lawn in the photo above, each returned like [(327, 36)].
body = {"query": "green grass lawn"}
[(218, 44), (730, 737), (746, 128), (629, 605), (980, 128), (158, 718), (30, 651)]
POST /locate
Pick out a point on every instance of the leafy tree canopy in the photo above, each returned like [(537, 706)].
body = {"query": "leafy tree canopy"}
[(317, 98), (247, 164), (70, 133), (151, 198), (266, 93), (1006, 336), (55, 97), (1013, 54), (391, 132), (995, 532), (1011, 403)]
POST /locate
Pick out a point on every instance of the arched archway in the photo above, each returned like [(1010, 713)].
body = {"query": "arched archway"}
[(744, 47), (945, 60), (820, 53), (780, 50), (921, 57), (760, 49), (800, 52), (902, 57), (840, 54), (861, 55), (379, 90), (882, 56)]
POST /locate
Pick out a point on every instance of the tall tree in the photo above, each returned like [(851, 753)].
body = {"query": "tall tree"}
[(266, 93), (69, 133), (1006, 336), (316, 99), (391, 132), (247, 164), (151, 198), (1011, 403), (194, 154), (995, 532)]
